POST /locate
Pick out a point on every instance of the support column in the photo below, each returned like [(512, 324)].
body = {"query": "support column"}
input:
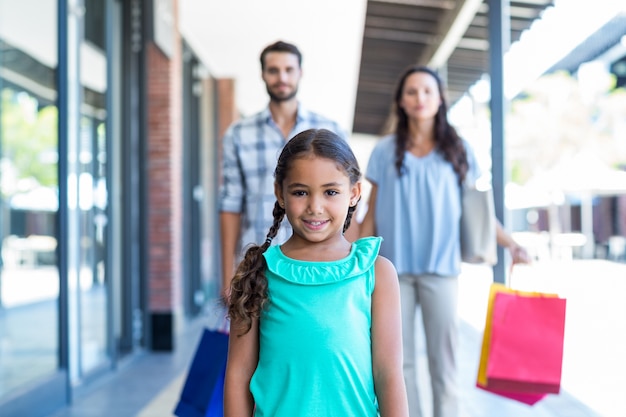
[(499, 42), (164, 152)]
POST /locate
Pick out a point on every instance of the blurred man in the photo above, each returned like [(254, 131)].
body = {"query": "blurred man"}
[(251, 147)]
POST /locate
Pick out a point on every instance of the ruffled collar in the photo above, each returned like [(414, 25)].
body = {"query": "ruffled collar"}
[(360, 259)]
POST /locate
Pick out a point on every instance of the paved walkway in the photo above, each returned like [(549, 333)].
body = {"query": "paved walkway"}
[(594, 364)]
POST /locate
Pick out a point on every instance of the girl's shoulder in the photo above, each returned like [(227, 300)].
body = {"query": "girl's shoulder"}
[(385, 271)]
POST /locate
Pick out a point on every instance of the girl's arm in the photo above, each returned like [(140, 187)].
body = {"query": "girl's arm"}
[(243, 356), (367, 227), (387, 342)]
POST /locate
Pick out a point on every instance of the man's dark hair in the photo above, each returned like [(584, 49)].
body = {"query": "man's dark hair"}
[(281, 46)]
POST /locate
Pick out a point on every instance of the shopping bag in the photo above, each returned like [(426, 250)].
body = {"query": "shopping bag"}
[(527, 342), (481, 379), (216, 403), (478, 226), (522, 351), (202, 392)]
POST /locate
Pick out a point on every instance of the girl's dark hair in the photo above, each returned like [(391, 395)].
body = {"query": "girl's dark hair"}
[(447, 140), (248, 291)]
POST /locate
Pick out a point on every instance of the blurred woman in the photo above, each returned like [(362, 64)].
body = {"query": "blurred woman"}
[(416, 175)]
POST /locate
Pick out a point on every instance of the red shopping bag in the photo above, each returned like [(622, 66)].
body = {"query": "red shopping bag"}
[(522, 352)]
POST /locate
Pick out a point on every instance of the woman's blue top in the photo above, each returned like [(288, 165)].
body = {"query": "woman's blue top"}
[(418, 213)]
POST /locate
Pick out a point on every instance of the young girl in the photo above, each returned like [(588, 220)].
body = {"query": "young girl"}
[(315, 322)]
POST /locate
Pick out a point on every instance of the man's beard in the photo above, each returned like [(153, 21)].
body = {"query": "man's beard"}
[(279, 99)]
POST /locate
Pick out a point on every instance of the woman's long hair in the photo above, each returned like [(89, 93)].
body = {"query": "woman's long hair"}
[(447, 140), (249, 288)]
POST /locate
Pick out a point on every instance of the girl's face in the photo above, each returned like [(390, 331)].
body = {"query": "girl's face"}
[(316, 194), (420, 96)]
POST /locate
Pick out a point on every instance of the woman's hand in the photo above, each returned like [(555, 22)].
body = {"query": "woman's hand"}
[(519, 255)]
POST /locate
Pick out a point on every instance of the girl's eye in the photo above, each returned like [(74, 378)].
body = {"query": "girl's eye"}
[(298, 193), (332, 192)]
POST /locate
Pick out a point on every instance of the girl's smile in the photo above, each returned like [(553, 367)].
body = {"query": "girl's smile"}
[(315, 224)]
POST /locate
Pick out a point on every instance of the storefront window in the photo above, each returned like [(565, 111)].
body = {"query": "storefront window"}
[(29, 277), (30, 338), (87, 202)]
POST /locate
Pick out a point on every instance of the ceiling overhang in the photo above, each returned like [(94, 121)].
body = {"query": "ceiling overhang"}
[(448, 35)]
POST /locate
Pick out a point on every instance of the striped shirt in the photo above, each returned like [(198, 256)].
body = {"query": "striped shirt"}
[(251, 147)]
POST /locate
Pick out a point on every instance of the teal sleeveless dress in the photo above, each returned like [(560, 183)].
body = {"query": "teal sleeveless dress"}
[(315, 349)]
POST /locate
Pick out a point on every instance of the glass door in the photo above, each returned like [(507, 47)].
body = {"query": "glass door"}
[(87, 204), (29, 275), (89, 278)]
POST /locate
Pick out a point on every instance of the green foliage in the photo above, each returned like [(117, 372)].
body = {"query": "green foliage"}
[(519, 173), (29, 137)]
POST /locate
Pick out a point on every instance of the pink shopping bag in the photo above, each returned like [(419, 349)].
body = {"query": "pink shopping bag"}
[(522, 351)]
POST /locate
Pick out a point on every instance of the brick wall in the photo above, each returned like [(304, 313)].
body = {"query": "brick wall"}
[(226, 108), (164, 182), (226, 112)]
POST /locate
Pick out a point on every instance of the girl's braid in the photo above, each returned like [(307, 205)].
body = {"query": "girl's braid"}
[(248, 294)]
